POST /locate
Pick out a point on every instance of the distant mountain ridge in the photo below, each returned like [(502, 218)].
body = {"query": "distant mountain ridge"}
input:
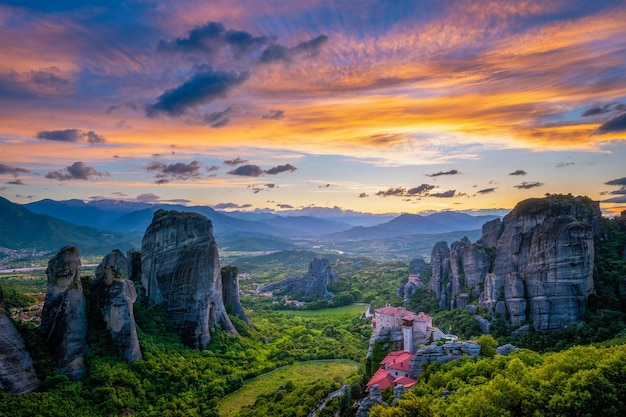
[(413, 224), (21, 229), (123, 221)]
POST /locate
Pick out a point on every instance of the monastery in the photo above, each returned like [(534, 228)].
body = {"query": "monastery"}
[(417, 329)]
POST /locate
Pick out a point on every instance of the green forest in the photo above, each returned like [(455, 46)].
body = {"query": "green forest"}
[(577, 372)]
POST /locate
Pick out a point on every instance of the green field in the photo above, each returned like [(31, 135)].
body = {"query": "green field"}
[(299, 374), (350, 311)]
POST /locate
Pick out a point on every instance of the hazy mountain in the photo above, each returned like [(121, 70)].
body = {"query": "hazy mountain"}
[(20, 228), (307, 225), (73, 211), (354, 218), (415, 224), (130, 217), (252, 243)]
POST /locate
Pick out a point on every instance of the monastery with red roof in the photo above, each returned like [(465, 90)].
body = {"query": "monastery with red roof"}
[(416, 329)]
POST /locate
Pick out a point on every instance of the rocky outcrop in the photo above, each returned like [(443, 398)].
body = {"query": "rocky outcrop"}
[(365, 405), (311, 285), (116, 296), (17, 374), (417, 266), (534, 266), (230, 293), (446, 352), (181, 273), (64, 318), (440, 280)]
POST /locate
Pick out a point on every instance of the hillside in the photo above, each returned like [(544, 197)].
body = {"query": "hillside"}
[(23, 229)]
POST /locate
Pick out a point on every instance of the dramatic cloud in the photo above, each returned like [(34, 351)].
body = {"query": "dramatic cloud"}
[(421, 190), (620, 200), (278, 53), (270, 185), (212, 168), (486, 190), (235, 162), (148, 198), (617, 124), (76, 171), (363, 195), (177, 171), (273, 115), (281, 168), (128, 105), (211, 39), (219, 118), (519, 172), (206, 86), (247, 171), (594, 111), (284, 206), (71, 135), (437, 174), (223, 206), (16, 182), (255, 170), (619, 182), (445, 194), (15, 171), (527, 185)]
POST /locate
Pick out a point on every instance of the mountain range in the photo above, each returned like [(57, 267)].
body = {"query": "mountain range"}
[(101, 225)]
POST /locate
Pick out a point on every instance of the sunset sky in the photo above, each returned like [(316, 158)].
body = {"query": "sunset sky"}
[(374, 106)]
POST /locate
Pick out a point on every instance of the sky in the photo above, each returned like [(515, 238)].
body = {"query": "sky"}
[(402, 106)]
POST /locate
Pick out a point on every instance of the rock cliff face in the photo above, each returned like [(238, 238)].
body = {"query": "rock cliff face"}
[(314, 283), (230, 293), (64, 318), (450, 351), (181, 273), (17, 374), (116, 296), (536, 265)]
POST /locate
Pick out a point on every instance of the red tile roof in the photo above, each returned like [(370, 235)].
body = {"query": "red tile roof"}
[(382, 378), (407, 382), (398, 359), (391, 311), (404, 313)]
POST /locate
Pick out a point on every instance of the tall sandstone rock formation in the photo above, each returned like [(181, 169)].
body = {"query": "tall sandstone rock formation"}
[(313, 284), (17, 374), (230, 293), (181, 273), (116, 297), (536, 265), (64, 317)]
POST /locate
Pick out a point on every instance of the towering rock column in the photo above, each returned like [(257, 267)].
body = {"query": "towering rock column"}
[(64, 318), (116, 296), (181, 273), (230, 292), (17, 374)]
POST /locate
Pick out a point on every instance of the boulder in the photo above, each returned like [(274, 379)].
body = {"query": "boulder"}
[(116, 297), (17, 374), (181, 274), (64, 317), (505, 350)]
